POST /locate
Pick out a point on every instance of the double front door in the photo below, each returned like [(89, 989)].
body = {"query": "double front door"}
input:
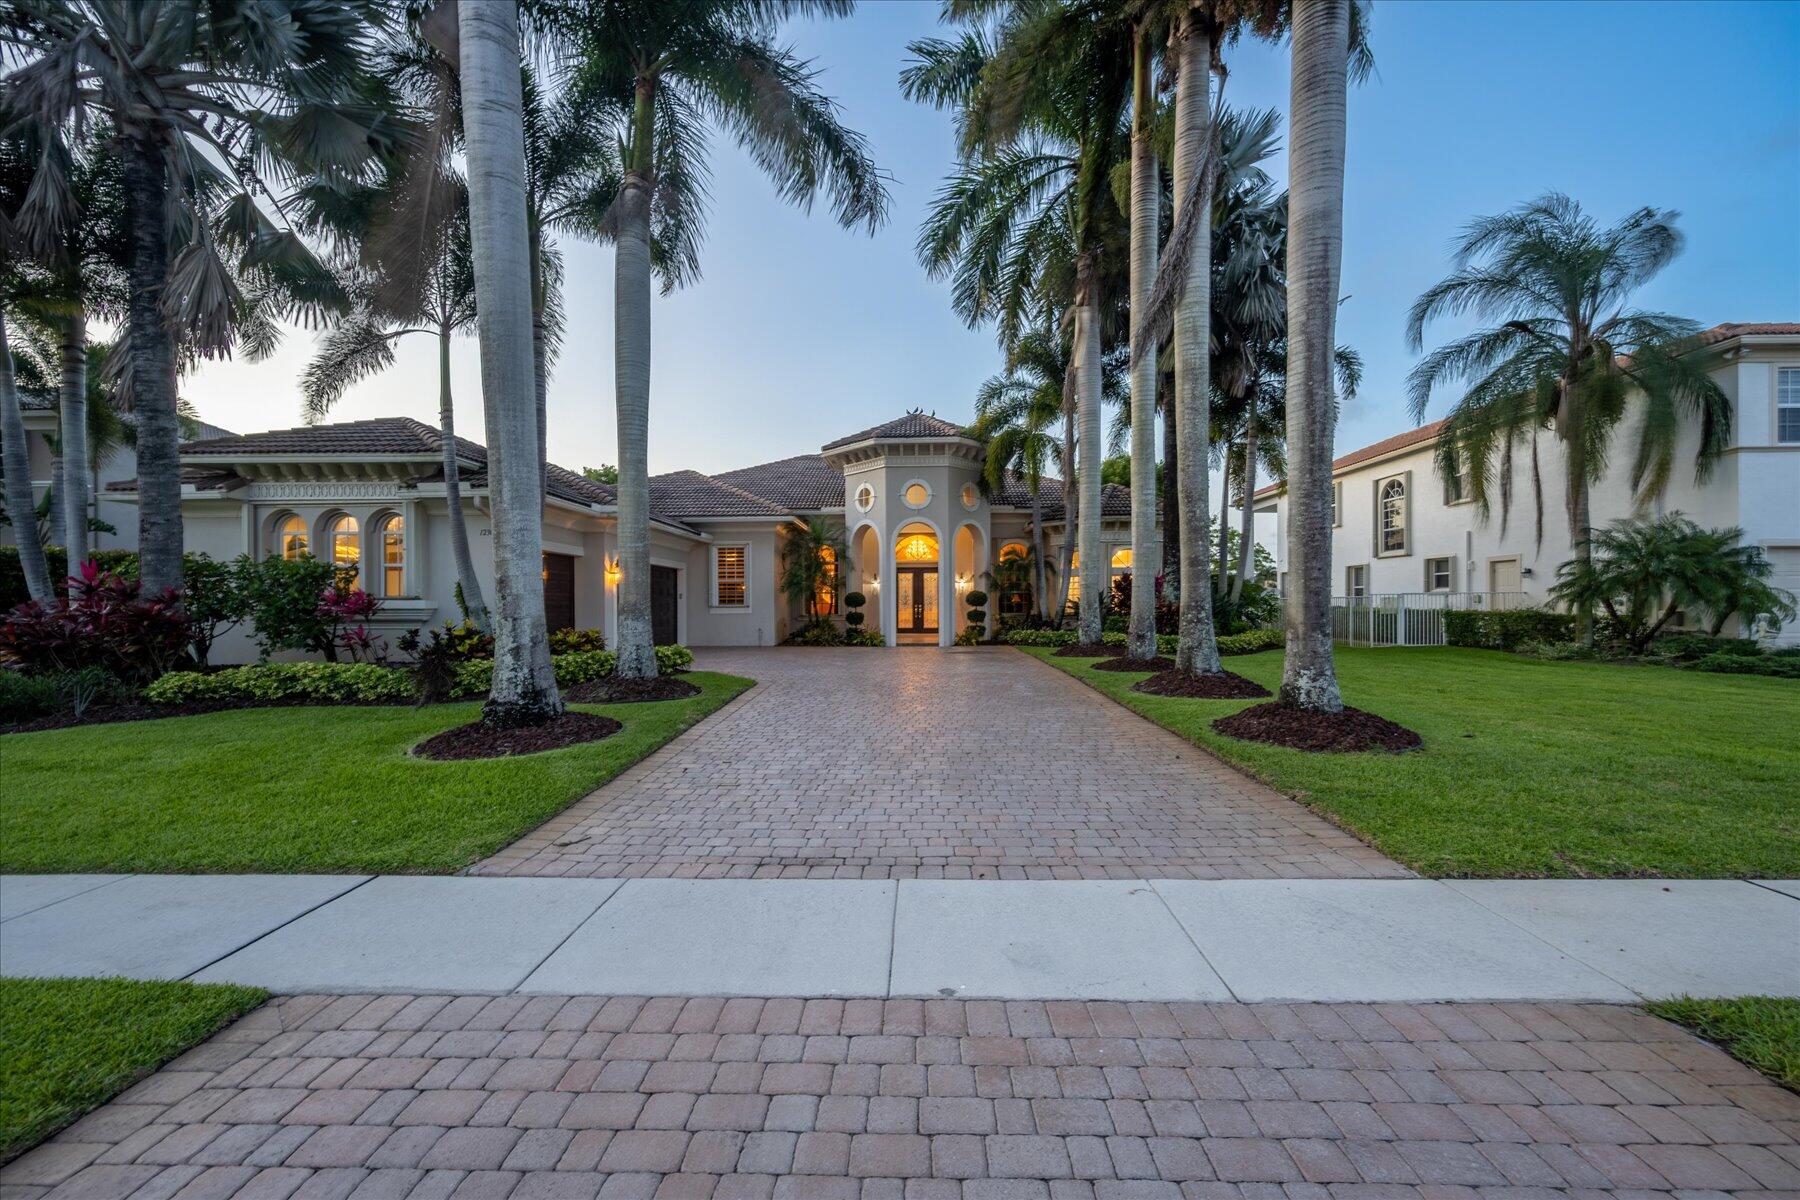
[(918, 599)]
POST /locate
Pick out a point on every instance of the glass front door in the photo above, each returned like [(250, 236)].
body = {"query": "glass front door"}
[(918, 599)]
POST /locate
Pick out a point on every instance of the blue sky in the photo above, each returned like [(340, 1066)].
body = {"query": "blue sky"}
[(800, 331)]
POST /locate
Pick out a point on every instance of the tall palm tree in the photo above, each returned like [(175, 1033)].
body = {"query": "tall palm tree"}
[(675, 68), (21, 509), (1564, 352), (1146, 193), (1321, 72), (228, 100), (524, 688)]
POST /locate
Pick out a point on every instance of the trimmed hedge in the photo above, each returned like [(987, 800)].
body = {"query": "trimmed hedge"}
[(372, 683), (1252, 640), (1248, 642), (1777, 666), (1485, 630)]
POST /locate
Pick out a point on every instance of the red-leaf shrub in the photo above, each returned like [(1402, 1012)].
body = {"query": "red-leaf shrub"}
[(103, 621)]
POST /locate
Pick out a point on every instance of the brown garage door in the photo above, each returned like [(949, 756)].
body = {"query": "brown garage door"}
[(559, 591)]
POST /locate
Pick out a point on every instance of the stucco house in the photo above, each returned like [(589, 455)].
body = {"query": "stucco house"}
[(920, 531), (1401, 530)]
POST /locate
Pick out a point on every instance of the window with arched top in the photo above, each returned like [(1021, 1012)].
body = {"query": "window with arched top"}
[(1121, 559), (1391, 509), (391, 538), (971, 496), (290, 536), (344, 536)]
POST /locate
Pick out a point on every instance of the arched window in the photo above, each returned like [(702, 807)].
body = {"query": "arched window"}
[(290, 536), (1393, 516), (345, 538), (392, 540), (971, 496), (1121, 559)]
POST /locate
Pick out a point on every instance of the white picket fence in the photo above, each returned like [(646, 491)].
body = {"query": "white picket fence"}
[(1409, 618)]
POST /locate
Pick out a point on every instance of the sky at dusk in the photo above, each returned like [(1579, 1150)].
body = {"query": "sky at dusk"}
[(800, 331)]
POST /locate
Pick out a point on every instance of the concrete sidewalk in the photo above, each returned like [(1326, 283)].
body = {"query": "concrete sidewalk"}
[(1403, 940)]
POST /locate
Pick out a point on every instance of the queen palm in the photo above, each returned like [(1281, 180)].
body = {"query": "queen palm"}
[(236, 96), (524, 685), (1563, 352), (809, 566), (429, 290), (676, 68)]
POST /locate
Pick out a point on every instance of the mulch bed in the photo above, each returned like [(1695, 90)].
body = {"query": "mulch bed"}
[(1330, 733), (1089, 650), (612, 690), (1121, 663), (1223, 686), (476, 741)]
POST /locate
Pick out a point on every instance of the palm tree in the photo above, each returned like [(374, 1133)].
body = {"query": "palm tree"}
[(674, 67), (20, 508), (1321, 57), (426, 287), (1014, 414), (1146, 193), (202, 103), (524, 686), (809, 565), (1564, 352)]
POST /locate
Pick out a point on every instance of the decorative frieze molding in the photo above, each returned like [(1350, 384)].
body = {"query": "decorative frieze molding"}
[(328, 491)]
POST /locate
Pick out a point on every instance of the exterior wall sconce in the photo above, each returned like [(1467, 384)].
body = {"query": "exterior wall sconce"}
[(963, 582), (612, 572)]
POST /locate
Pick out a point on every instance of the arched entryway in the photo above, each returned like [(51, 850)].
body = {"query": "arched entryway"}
[(971, 565), (920, 583)]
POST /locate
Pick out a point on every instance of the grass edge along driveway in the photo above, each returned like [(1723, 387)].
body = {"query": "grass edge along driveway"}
[(289, 790), (1533, 768), (70, 1045), (1760, 1031)]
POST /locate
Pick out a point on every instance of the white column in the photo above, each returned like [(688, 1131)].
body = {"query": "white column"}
[(947, 600), (885, 590)]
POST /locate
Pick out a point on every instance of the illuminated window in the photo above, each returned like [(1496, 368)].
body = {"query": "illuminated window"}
[(971, 496), (865, 498), (825, 597), (345, 539), (730, 576), (393, 556), (290, 537), (917, 547), (1012, 550), (1391, 505), (1074, 576), (1121, 559), (916, 495)]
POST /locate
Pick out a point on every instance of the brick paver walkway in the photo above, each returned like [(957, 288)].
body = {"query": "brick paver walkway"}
[(932, 764), (323, 1097)]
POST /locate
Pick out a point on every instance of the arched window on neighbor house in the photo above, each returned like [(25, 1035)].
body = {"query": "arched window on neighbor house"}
[(1393, 516), (345, 539), (290, 536), (391, 537)]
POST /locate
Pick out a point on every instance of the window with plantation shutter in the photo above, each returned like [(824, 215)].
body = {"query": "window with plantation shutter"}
[(731, 576)]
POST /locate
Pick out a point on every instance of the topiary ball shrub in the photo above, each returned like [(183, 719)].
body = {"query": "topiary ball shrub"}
[(853, 618), (977, 599), (855, 599)]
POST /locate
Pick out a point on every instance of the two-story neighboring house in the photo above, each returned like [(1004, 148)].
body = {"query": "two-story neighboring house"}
[(1401, 529)]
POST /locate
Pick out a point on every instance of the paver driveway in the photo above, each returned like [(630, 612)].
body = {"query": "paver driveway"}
[(929, 763), (435, 1097)]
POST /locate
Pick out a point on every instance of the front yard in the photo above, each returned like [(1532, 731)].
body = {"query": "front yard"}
[(324, 789), (1534, 768)]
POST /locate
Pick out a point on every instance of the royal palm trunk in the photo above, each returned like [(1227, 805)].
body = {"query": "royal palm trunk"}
[(1197, 649), (1071, 513), (524, 687), (1141, 632), (1092, 619), (1247, 518), (631, 366), (1321, 39), (72, 483), (466, 579), (153, 392), (16, 462), (1171, 511)]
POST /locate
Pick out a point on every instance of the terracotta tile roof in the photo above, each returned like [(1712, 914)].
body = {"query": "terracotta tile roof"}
[(1115, 502), (691, 494), (1400, 441), (199, 477), (380, 437), (804, 483), (1732, 329), (912, 425)]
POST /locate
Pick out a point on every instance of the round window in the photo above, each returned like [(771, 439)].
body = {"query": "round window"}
[(916, 495), (865, 498), (971, 496)]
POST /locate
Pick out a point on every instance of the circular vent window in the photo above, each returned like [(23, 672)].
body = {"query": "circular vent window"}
[(916, 495)]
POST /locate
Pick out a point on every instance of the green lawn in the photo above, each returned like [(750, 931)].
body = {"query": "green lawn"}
[(299, 789), (1534, 768), (67, 1045), (1763, 1031)]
